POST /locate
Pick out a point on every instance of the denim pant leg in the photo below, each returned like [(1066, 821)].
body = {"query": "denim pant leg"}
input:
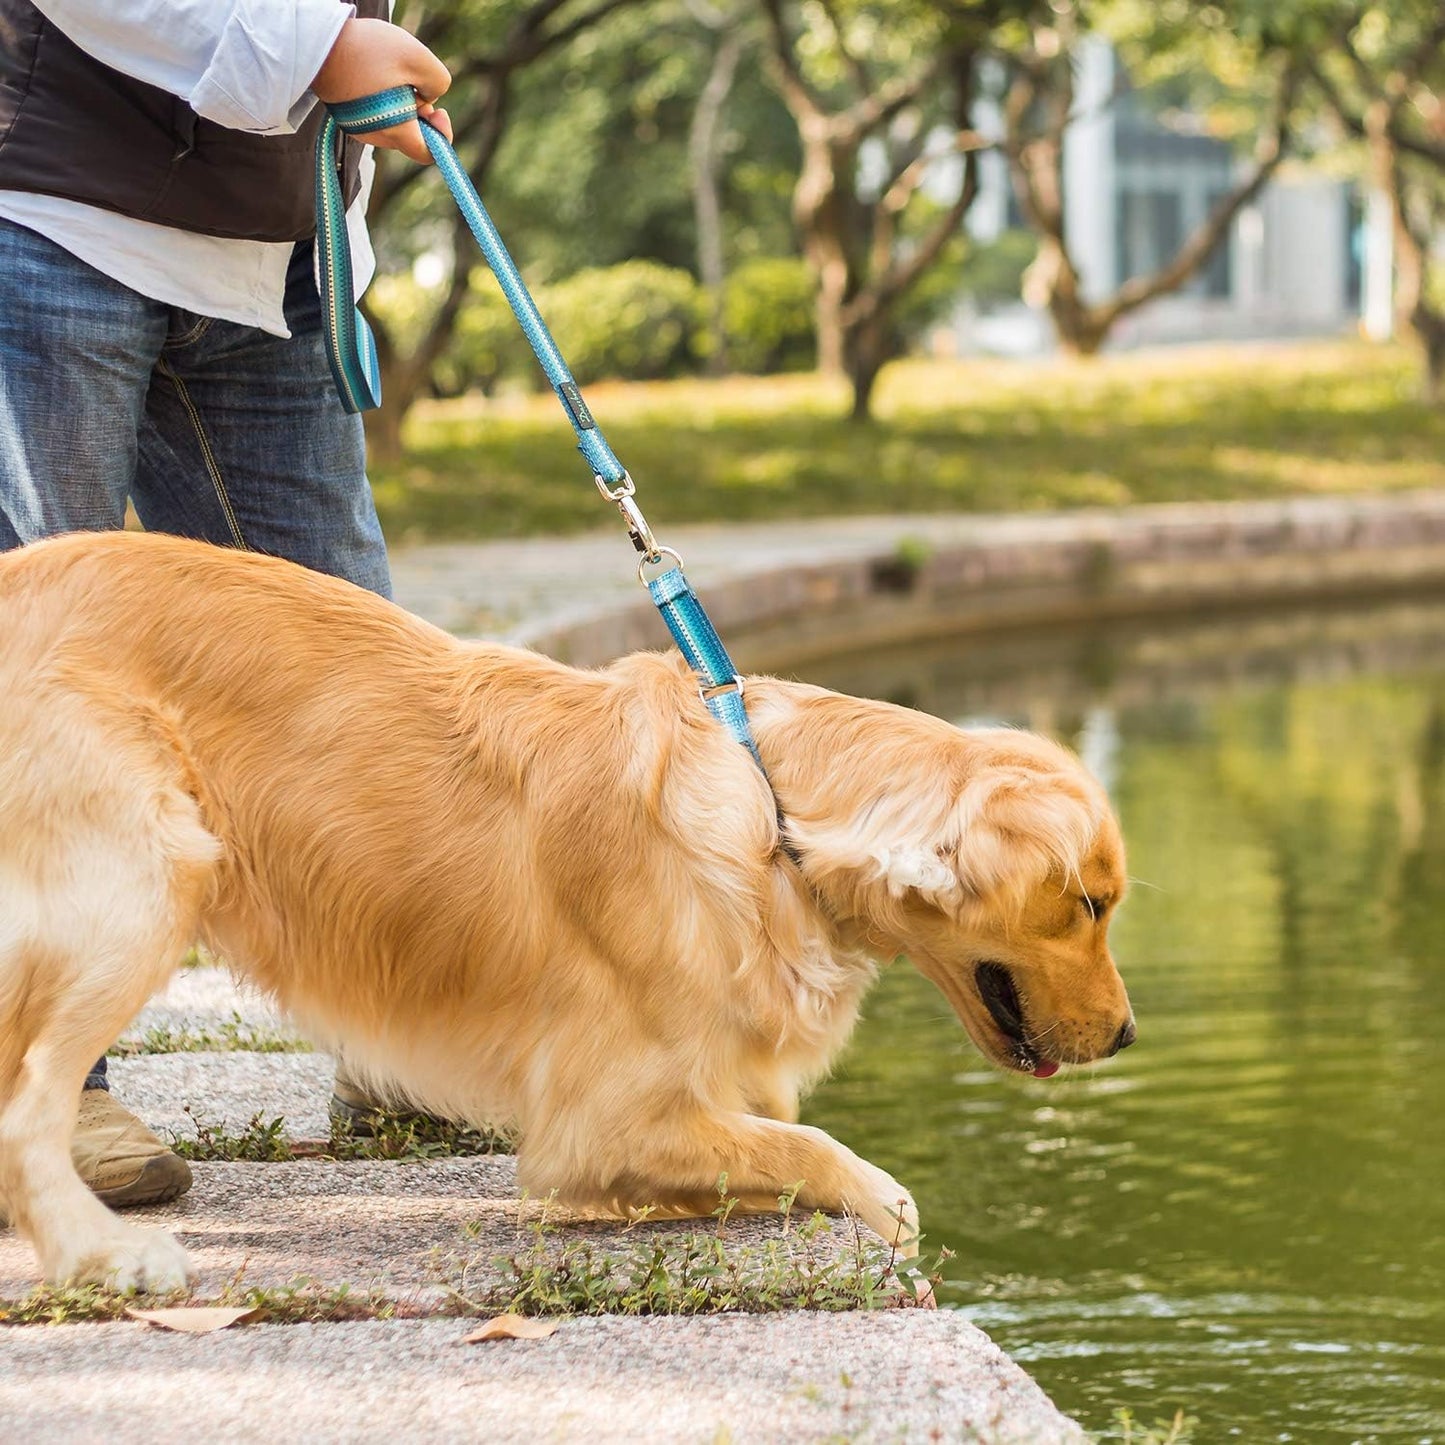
[(76, 354), (244, 441)]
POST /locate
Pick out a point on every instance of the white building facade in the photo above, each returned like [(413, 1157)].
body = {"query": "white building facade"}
[(1294, 263)]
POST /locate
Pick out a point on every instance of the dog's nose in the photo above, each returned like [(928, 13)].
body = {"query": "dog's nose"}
[(1125, 1037)]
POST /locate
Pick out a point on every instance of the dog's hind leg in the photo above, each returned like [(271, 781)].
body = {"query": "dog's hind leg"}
[(104, 866)]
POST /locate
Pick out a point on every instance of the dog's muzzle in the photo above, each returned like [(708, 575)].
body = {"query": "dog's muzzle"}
[(1000, 997)]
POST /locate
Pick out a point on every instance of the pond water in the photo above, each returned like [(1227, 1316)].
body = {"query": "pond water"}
[(1244, 1215)]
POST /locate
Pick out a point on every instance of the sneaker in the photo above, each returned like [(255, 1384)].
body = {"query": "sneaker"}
[(356, 1112), (123, 1163), (120, 1159)]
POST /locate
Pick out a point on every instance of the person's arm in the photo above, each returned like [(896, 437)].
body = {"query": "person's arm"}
[(257, 65)]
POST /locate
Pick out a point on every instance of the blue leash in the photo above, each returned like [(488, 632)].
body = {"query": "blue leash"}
[(351, 350)]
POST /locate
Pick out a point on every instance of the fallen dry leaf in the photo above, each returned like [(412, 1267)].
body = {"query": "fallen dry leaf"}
[(202, 1320), (512, 1327)]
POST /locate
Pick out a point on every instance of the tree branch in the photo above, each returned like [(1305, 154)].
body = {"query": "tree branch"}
[(1192, 254)]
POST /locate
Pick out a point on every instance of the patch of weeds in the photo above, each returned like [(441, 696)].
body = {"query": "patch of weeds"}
[(1178, 1431), (262, 1141), (693, 1273), (305, 1301), (235, 1035), (64, 1305), (413, 1137), (301, 1301)]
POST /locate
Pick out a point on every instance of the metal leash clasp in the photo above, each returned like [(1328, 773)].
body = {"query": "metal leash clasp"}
[(624, 495)]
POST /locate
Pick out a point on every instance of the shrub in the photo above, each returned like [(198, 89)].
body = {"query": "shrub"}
[(637, 321), (487, 343), (768, 316)]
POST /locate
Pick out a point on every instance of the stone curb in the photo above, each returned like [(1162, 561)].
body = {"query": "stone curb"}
[(799, 590)]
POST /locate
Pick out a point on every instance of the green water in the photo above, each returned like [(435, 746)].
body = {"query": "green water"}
[(1243, 1215)]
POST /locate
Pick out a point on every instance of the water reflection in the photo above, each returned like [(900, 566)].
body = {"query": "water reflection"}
[(1242, 1215)]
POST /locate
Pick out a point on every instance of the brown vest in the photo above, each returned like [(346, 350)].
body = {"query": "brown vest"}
[(70, 126)]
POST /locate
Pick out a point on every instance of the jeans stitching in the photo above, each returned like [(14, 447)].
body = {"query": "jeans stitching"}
[(203, 324), (208, 456)]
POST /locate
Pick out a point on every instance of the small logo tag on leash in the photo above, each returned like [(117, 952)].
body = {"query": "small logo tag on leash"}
[(577, 406)]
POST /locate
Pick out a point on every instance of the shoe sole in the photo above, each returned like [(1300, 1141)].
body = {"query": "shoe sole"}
[(160, 1180)]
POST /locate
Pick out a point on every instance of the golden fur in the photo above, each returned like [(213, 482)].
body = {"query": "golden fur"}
[(516, 890)]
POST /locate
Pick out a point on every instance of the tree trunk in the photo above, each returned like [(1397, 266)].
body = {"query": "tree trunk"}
[(1415, 315), (704, 156), (868, 351)]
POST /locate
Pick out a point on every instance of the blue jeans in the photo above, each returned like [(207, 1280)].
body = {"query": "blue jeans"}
[(212, 430)]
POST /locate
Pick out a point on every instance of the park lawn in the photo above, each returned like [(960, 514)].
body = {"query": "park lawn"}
[(1158, 426)]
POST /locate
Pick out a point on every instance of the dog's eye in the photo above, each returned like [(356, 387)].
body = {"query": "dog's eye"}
[(1095, 907)]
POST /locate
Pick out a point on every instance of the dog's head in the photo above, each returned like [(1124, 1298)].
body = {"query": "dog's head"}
[(990, 858)]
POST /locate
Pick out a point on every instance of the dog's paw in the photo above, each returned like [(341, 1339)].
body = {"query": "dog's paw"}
[(141, 1261), (892, 1213)]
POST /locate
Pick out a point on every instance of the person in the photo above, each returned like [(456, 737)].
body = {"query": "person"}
[(160, 329)]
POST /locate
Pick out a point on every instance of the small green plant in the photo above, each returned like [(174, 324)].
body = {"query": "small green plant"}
[(694, 1273), (86, 1304), (235, 1035), (414, 1137), (301, 1301), (305, 1301), (1178, 1431), (262, 1141)]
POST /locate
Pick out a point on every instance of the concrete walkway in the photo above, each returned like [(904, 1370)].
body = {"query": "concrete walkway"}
[(408, 1239)]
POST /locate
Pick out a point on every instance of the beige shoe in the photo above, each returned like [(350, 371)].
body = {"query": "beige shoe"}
[(120, 1159)]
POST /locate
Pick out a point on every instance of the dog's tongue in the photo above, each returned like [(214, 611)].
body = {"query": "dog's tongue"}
[(1046, 1070)]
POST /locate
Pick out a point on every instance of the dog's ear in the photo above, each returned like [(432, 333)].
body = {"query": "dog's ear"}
[(1013, 827)]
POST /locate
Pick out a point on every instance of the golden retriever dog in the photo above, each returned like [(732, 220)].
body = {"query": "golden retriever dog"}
[(513, 889)]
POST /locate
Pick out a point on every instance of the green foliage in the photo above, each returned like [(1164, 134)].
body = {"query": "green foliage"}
[(235, 1035), (641, 1271), (993, 271), (487, 344), (593, 170), (950, 436), (262, 1141), (413, 1138), (301, 1301), (1178, 1431), (637, 321), (768, 315)]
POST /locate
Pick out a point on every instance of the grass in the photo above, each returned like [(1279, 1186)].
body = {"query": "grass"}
[(404, 1138), (651, 1272), (301, 1301), (234, 1035), (1156, 426), (1178, 1431)]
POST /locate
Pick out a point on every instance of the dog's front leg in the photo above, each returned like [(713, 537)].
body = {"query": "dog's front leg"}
[(78, 1239), (674, 1165)]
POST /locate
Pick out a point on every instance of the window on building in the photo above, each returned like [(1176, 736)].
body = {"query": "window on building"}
[(1218, 273), (1149, 230)]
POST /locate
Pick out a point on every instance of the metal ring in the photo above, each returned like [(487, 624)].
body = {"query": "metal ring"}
[(625, 488), (709, 690), (656, 556)]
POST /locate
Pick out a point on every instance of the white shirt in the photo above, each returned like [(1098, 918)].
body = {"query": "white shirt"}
[(246, 64)]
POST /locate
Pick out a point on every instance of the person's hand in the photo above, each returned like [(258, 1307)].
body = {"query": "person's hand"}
[(373, 55)]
